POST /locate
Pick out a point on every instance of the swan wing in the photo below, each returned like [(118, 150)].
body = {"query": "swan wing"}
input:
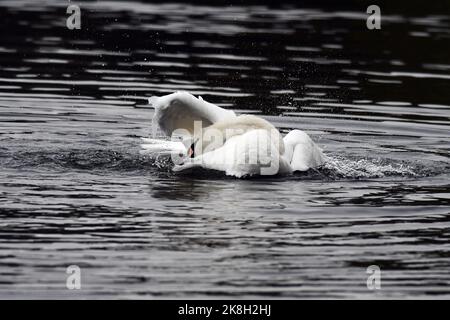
[(301, 152), (255, 152), (179, 110)]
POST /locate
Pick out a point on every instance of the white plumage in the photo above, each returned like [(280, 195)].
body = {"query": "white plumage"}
[(214, 138)]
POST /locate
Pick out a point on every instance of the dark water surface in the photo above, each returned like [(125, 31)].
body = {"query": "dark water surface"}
[(75, 190)]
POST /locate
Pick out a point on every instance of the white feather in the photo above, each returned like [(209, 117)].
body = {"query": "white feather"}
[(256, 149), (255, 152), (301, 152), (179, 110), (163, 146)]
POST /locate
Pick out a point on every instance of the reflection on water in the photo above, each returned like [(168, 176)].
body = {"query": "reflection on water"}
[(75, 190)]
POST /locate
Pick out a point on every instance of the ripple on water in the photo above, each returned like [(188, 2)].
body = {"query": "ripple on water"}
[(75, 190)]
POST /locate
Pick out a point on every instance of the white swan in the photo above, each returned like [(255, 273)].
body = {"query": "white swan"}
[(214, 138)]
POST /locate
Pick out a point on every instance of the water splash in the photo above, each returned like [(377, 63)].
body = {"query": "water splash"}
[(337, 167), (360, 168)]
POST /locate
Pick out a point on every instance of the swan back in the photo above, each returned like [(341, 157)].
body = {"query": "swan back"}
[(220, 132)]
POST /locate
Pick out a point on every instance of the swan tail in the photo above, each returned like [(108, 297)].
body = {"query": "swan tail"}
[(302, 153)]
